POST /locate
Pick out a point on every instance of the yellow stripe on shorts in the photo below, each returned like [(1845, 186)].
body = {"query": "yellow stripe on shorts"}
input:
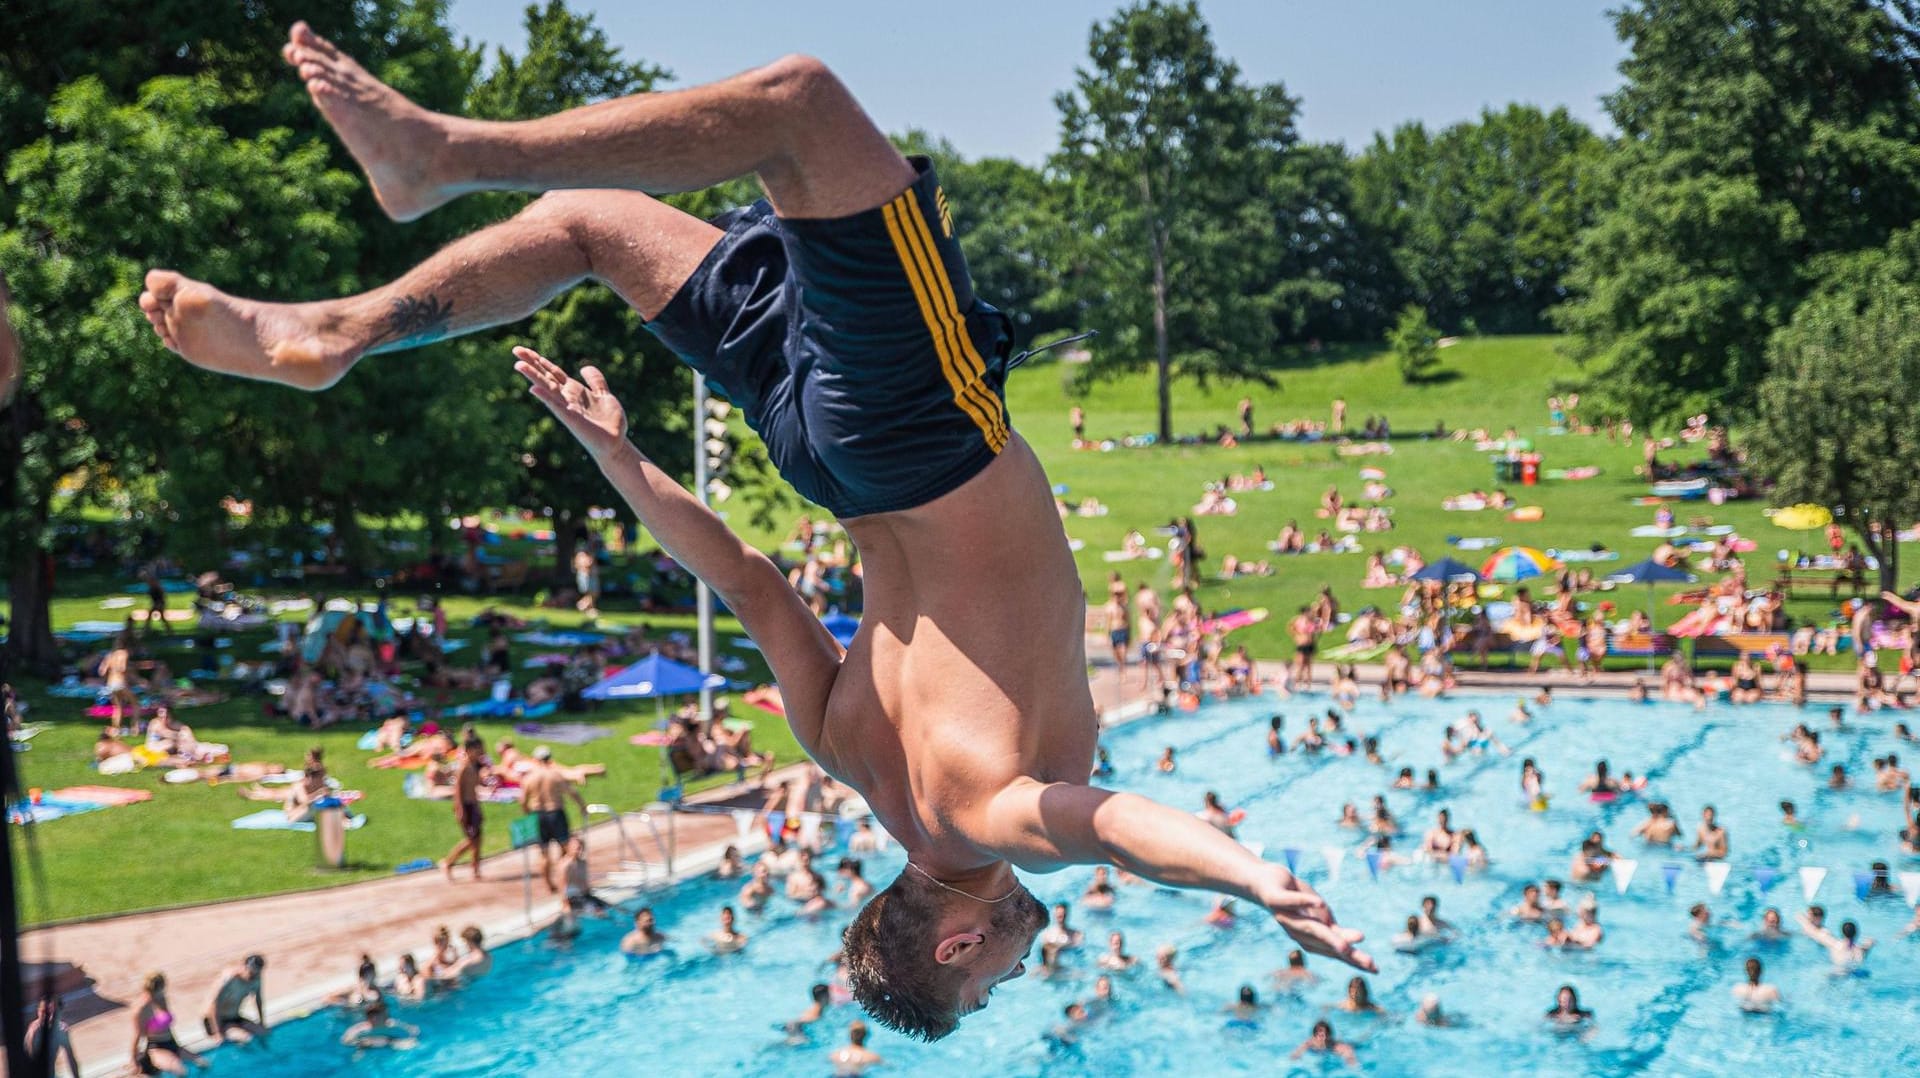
[(928, 278)]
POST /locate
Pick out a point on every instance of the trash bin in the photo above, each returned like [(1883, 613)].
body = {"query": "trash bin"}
[(1530, 470), (330, 828)]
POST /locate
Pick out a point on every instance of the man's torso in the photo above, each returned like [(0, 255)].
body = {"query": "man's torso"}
[(969, 670)]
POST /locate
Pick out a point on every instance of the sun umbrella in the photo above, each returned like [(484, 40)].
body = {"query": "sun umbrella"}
[(651, 678), (1515, 563), (841, 626), (1804, 517), (1650, 572), (1448, 570)]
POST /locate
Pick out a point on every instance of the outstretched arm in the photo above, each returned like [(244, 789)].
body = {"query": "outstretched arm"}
[(804, 657), (1043, 826)]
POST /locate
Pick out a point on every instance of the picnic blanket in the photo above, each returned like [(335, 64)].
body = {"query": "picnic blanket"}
[(559, 639), (499, 709), (49, 809), (564, 733), (417, 788), (276, 820)]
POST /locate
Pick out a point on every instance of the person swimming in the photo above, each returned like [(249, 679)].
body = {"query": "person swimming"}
[(1164, 958), (377, 1029), (645, 939), (1323, 1042), (1593, 860), (1659, 828), (1117, 960), (1601, 785), (1099, 894), (1756, 996), (1294, 975), (1359, 999), (1772, 928), (1533, 785), (1847, 950), (1528, 908), (1430, 1014), (1566, 1011), (1710, 839), (727, 939), (1246, 1009)]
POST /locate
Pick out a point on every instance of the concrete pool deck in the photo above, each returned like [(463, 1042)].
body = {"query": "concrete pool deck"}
[(312, 939)]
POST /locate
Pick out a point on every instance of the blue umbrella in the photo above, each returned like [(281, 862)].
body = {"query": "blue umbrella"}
[(651, 678), (1448, 570), (1650, 572), (842, 626)]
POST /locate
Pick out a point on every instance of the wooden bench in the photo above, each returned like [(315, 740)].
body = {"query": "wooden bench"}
[(1641, 645), (508, 576), (1813, 579), (1734, 645)]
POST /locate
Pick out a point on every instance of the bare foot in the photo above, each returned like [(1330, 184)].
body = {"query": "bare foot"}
[(391, 137), (296, 344)]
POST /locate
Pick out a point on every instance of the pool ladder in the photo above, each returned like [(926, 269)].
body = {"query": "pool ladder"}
[(635, 870)]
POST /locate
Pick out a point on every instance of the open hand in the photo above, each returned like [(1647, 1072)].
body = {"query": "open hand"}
[(1304, 915), (584, 404)]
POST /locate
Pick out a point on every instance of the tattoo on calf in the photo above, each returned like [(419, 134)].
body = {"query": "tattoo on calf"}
[(413, 320)]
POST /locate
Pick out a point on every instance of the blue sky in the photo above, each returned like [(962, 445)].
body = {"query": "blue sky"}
[(983, 73)]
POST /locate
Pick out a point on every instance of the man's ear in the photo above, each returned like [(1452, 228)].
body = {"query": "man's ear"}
[(956, 947)]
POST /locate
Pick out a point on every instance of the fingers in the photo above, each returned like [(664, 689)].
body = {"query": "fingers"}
[(1330, 941), (595, 380)]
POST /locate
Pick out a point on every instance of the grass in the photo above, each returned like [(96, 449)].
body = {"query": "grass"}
[(179, 848)]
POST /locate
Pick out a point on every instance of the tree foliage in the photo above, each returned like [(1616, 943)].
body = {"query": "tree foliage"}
[(1415, 344), (1757, 138), (1830, 429), (1483, 216)]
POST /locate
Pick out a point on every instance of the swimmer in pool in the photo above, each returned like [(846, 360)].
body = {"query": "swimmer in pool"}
[(1350, 817), (854, 1058), (972, 742), (1520, 716), (1216, 814), (1709, 839), (1567, 1010), (1359, 999), (820, 998), (1117, 960), (1430, 1014), (378, 1029), (1099, 894), (645, 939), (1294, 975), (1600, 783), (1247, 1008), (1593, 860), (1383, 822), (1699, 919), (1415, 938), (1533, 785), (1404, 780), (1440, 840), (1164, 968), (1847, 950), (1789, 819), (1167, 766), (1323, 1043), (853, 875), (1550, 898), (1221, 915), (1772, 928), (1586, 934), (1528, 908), (1659, 828), (727, 939), (1059, 932), (758, 888), (1430, 919), (1755, 996)]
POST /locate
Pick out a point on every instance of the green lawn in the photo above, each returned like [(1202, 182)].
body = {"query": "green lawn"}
[(179, 848)]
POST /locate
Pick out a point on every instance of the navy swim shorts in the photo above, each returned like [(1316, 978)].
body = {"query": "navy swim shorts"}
[(854, 346)]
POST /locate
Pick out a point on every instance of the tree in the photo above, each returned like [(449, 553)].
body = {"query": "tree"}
[(84, 205), (1757, 137), (1482, 217), (1415, 344), (1829, 425), (1170, 155)]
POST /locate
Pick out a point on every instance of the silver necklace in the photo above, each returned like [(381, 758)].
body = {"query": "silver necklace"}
[(949, 887)]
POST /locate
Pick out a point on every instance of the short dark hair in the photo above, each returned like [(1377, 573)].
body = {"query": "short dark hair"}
[(891, 973)]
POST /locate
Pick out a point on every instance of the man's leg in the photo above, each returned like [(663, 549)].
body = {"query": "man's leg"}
[(640, 247), (792, 123)]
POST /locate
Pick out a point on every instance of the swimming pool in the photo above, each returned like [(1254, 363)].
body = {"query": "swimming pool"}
[(1662, 1000)]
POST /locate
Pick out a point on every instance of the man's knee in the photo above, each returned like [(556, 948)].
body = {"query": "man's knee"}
[(570, 216), (804, 82)]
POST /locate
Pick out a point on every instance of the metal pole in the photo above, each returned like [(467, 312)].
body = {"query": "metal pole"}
[(703, 596)]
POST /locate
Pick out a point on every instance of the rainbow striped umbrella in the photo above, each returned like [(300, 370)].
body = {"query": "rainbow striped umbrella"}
[(1514, 563)]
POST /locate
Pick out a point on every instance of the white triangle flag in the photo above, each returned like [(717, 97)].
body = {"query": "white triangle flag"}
[(1623, 870), (1810, 880), (1334, 856), (1910, 885), (742, 823), (1716, 875), (810, 830)]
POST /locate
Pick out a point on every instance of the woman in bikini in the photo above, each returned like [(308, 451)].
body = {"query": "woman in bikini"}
[(155, 1051)]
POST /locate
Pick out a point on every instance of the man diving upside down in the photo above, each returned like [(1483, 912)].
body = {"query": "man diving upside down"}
[(839, 316)]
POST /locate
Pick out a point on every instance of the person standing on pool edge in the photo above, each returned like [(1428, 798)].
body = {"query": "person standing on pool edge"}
[(544, 793), (839, 316)]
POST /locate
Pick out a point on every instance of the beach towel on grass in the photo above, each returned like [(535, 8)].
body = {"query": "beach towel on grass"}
[(276, 820), (559, 639), (416, 788), (49, 809), (563, 733)]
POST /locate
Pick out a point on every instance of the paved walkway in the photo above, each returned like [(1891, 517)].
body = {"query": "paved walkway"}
[(313, 943)]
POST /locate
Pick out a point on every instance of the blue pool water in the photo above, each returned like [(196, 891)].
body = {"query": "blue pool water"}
[(1663, 1000)]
